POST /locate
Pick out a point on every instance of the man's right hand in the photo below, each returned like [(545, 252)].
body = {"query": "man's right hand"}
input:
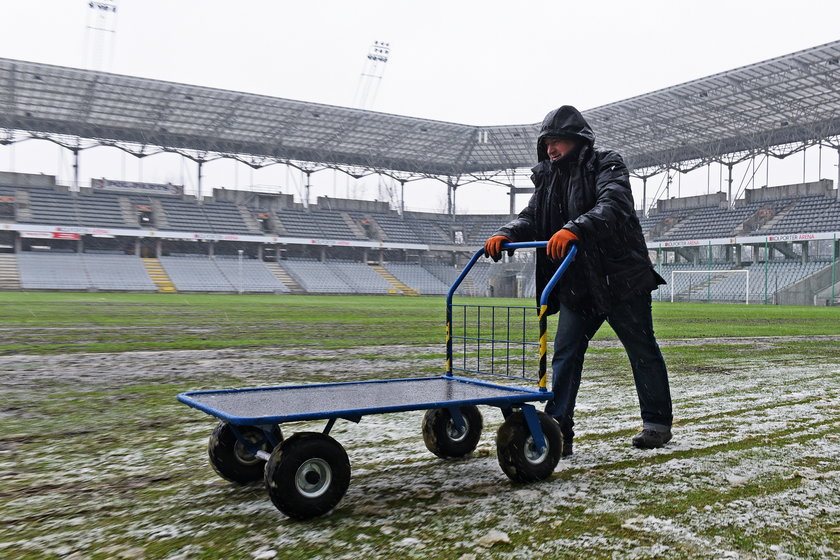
[(493, 247)]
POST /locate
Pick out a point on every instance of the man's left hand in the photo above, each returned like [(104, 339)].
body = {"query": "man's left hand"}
[(559, 244)]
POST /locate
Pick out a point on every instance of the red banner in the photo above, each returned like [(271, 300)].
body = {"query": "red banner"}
[(49, 235)]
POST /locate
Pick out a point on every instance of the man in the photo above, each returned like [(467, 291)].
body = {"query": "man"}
[(582, 196)]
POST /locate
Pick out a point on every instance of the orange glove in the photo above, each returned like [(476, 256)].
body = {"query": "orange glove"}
[(559, 244), (493, 247)]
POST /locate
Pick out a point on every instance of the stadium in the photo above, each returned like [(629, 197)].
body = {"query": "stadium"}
[(772, 244), (119, 295)]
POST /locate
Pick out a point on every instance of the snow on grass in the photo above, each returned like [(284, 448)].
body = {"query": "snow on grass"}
[(98, 460)]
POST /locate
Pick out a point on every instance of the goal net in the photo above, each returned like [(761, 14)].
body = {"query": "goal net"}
[(724, 286)]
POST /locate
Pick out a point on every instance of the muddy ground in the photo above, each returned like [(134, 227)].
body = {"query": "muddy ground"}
[(99, 460)]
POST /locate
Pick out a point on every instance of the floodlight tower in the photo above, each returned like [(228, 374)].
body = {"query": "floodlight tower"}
[(372, 74), (100, 34)]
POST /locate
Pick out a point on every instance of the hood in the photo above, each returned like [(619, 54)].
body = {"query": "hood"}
[(563, 122)]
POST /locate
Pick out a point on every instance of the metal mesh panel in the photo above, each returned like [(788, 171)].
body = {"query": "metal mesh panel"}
[(496, 340)]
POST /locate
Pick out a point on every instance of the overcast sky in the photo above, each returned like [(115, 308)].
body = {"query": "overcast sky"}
[(481, 63)]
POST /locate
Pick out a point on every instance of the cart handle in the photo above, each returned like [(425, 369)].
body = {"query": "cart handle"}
[(543, 309), (567, 260)]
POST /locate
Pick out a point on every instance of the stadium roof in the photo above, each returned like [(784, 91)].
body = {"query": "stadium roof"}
[(789, 100)]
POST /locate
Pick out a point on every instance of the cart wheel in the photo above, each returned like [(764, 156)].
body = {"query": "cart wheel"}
[(231, 459), (517, 454), (307, 475), (444, 439)]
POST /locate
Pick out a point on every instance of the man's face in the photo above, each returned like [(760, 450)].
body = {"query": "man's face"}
[(559, 147)]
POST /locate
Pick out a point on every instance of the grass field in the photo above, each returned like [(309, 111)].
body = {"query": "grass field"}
[(50, 323), (98, 460)]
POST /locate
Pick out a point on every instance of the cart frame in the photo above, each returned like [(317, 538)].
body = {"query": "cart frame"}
[(246, 413)]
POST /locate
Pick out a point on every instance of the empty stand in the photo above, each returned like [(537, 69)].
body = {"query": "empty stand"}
[(116, 272), (434, 230), (296, 223), (394, 227), (221, 274), (51, 271), (225, 217), (417, 278), (711, 223), (397, 285), (360, 277), (101, 210), (316, 277), (811, 214), (196, 274), (49, 206), (773, 277), (446, 273), (249, 275), (332, 225), (184, 215)]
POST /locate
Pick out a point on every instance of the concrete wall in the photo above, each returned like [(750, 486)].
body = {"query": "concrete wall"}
[(823, 187), (26, 179), (717, 200), (328, 203), (269, 201), (804, 291)]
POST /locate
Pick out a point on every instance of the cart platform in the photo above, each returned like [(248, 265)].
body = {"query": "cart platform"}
[(352, 400)]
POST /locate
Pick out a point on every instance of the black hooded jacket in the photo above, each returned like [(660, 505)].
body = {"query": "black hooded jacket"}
[(587, 192)]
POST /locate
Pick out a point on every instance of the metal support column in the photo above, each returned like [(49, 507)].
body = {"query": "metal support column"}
[(804, 159), (402, 197), (837, 185), (729, 188), (512, 195), (200, 177), (766, 268), (76, 151)]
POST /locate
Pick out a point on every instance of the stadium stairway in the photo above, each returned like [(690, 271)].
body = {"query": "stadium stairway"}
[(780, 215), (284, 277), (249, 219), (398, 287), (155, 271), (23, 205), (9, 273), (699, 290), (129, 213), (353, 225), (469, 287)]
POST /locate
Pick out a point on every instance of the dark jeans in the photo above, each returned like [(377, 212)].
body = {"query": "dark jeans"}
[(632, 322)]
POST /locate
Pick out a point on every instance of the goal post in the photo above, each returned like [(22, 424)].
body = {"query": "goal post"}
[(732, 283)]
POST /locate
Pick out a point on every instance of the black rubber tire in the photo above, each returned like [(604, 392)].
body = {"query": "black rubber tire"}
[(517, 454), (442, 437), (307, 475), (231, 460)]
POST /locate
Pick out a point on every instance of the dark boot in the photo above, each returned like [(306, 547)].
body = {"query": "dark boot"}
[(650, 439), (567, 443), (567, 448)]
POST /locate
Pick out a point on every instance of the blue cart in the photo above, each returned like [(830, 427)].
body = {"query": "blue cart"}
[(307, 474)]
